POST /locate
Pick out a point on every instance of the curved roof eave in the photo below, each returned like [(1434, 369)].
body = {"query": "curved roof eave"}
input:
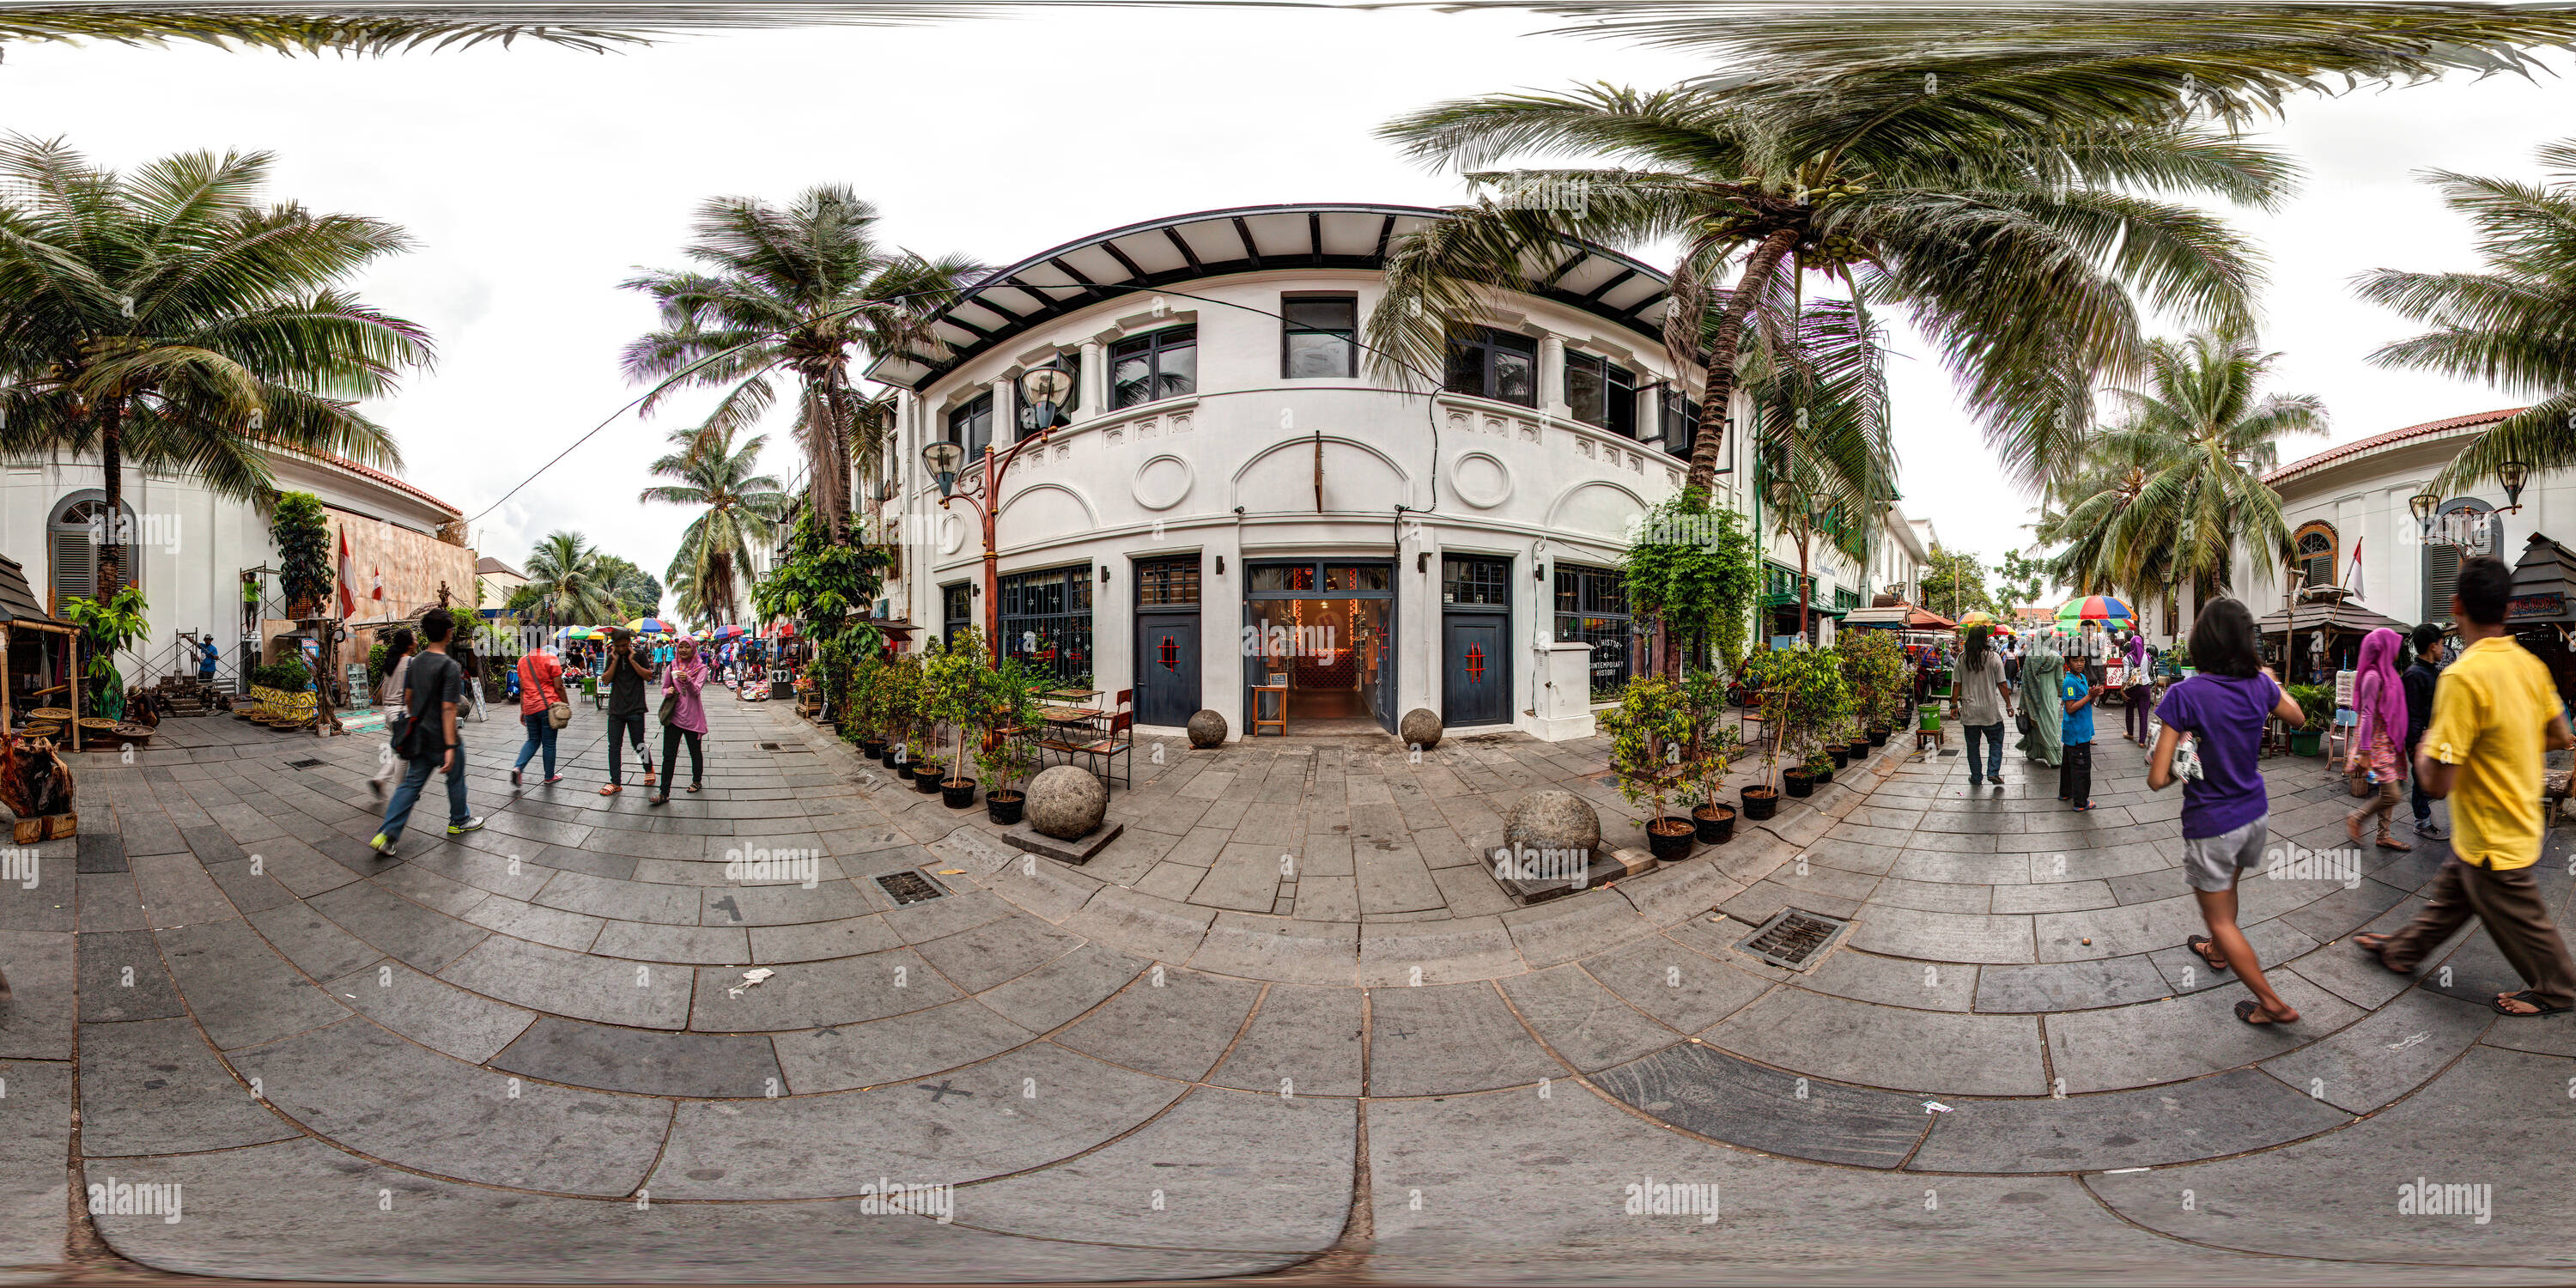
[(1216, 243)]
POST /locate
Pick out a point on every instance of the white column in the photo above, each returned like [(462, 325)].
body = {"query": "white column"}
[(1551, 376), (1095, 381)]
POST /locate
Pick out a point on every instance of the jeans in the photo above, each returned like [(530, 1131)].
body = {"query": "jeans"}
[(671, 736), (398, 810), (2075, 774), (541, 733), (621, 731), (1992, 735)]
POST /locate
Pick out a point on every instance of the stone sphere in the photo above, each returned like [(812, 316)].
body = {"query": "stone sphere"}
[(1207, 729), (1553, 820), (1419, 728), (1066, 802)]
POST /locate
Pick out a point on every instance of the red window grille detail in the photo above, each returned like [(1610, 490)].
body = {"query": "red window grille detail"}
[(1476, 662), (1171, 654)]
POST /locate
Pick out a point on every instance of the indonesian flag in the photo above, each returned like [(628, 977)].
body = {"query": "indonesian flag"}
[(348, 600), (379, 595), (2357, 591)]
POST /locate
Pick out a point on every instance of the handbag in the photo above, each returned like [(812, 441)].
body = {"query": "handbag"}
[(2021, 721), (558, 714), (670, 708)]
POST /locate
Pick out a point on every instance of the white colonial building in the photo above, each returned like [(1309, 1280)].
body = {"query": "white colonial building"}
[(1238, 501)]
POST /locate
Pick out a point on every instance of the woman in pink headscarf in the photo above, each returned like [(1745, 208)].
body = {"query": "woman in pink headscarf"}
[(2380, 699)]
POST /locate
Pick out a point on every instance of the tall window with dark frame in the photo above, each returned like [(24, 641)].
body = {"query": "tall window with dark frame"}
[(1167, 583), (971, 425), (1023, 414), (1493, 364), (1319, 337), (2316, 553), (1156, 365), (1592, 608), (956, 609), (1046, 621), (1601, 393), (1681, 422), (1470, 579)]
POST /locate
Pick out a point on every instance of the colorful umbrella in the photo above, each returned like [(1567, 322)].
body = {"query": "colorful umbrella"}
[(783, 629), (1987, 620), (728, 631), (2093, 608), (649, 626)]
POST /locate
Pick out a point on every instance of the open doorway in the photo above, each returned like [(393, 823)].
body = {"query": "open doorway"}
[(1324, 632)]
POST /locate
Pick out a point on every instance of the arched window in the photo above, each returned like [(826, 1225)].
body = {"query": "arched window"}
[(2314, 553), (2463, 528), (73, 535)]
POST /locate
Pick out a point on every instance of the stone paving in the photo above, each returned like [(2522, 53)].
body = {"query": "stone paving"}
[(532, 1053)]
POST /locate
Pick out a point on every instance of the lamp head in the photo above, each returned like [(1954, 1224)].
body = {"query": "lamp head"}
[(942, 459), (2423, 503), (2513, 474), (1044, 391)]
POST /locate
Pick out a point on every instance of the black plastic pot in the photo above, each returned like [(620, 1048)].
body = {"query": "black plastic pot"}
[(1759, 802), (1716, 830), (1841, 754), (1860, 750), (1004, 811), (886, 755), (925, 777), (1824, 775), (1878, 737), (1673, 846), (1797, 782), (957, 793), (872, 748)]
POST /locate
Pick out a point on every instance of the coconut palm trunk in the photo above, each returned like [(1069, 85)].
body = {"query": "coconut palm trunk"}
[(111, 460), (1726, 341)]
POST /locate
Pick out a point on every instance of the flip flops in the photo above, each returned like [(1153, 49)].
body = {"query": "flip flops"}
[(2379, 952), (2527, 998), (2248, 1009), (2214, 962)]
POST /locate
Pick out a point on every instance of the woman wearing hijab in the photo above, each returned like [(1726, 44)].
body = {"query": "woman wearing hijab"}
[(2380, 698), (2041, 674)]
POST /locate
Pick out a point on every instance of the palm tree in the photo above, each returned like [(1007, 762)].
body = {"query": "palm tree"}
[(741, 507), (1820, 393), (2506, 325), (168, 318), (2019, 250), (794, 293), (567, 586), (2180, 480)]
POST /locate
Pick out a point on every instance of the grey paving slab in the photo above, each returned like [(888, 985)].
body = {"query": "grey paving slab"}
[(2129, 1046), (555, 927), (1885, 1046), (1684, 990), (2385, 1053), (375, 1093), (1278, 948), (1709, 1093), (239, 989), (1941, 936), (2227, 1113), (644, 1061), (552, 980), (154, 1087), (694, 945), (2070, 986), (430, 1011), (1302, 1041), (981, 957), (1446, 951), (425, 938), (43, 972), (1172, 1021), (122, 978), (1587, 1025), (915, 1044), (1449, 1038), (2186, 971), (33, 1210), (176, 891), (1134, 922), (1893, 981), (801, 995)]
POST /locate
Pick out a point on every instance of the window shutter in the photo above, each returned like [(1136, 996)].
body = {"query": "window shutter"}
[(75, 569), (2441, 579)]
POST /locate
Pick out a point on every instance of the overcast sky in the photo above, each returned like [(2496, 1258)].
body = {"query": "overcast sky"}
[(536, 179)]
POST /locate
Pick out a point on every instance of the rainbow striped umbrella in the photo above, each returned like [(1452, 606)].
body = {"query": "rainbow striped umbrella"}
[(1987, 620), (2093, 608), (649, 626), (728, 631)]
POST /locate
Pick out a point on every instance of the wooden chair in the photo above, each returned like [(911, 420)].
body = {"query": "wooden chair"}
[(1275, 692), (1116, 737)]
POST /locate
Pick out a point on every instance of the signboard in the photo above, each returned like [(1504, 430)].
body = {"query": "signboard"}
[(2544, 606)]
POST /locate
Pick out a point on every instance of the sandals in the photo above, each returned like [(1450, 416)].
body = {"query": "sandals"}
[(2378, 948), (611, 790), (695, 786), (2248, 1009), (2528, 998), (2217, 960), (663, 799)]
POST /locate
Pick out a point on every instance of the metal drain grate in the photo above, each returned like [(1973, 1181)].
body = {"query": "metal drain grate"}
[(303, 764), (771, 746), (1949, 751), (909, 887), (1793, 938)]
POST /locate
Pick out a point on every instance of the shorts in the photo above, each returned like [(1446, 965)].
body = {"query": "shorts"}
[(2212, 863)]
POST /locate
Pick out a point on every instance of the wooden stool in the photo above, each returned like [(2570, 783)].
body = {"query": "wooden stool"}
[(1261, 693), (1928, 734)]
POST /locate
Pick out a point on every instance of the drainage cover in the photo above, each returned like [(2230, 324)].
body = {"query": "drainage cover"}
[(303, 764), (909, 887), (1949, 751), (769, 746), (1793, 938)]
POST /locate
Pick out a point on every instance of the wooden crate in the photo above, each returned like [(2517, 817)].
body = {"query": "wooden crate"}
[(53, 827)]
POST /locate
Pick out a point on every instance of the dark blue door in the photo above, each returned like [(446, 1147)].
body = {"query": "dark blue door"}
[(1167, 668), (1475, 676)]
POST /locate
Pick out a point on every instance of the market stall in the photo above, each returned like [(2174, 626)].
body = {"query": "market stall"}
[(2312, 641), (42, 658), (2542, 612)]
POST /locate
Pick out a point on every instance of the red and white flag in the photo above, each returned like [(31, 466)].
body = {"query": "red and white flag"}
[(348, 598), (379, 596), (2357, 591)]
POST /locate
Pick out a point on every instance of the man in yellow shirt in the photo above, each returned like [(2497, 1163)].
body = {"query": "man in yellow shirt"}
[(2495, 716)]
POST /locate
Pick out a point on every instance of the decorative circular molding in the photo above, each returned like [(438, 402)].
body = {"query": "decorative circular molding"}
[(1162, 482), (1481, 480), (952, 532)]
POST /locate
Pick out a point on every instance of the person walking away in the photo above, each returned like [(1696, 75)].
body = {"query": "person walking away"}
[(540, 687), (2419, 680), (2010, 647), (2495, 717), (2075, 772), (2042, 672), (1984, 700), (2379, 699), (627, 676), (2137, 707), (2226, 813), (393, 697), (433, 684), (683, 717)]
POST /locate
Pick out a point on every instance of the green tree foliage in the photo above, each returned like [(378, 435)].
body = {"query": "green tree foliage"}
[(2020, 581), (1954, 585), (1649, 733), (1694, 569), (302, 534)]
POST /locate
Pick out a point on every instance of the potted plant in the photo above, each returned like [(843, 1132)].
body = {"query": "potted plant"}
[(1009, 754), (1715, 743), (902, 697), (2316, 702), (302, 533), (957, 692), (866, 720), (1755, 674), (1815, 697), (1875, 668), (1649, 730)]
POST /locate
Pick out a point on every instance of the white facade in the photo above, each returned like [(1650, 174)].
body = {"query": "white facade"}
[(1252, 469), (2358, 496)]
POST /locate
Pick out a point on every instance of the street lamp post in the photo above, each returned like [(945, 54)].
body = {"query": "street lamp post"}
[(1045, 389)]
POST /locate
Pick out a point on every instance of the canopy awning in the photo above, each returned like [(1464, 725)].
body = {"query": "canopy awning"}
[(2542, 592), (2339, 617), (1900, 617), (18, 607)]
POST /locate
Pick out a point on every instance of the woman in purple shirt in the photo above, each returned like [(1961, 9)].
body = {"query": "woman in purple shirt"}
[(2226, 817), (688, 719)]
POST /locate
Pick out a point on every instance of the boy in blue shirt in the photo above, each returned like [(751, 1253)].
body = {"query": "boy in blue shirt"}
[(2075, 772)]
